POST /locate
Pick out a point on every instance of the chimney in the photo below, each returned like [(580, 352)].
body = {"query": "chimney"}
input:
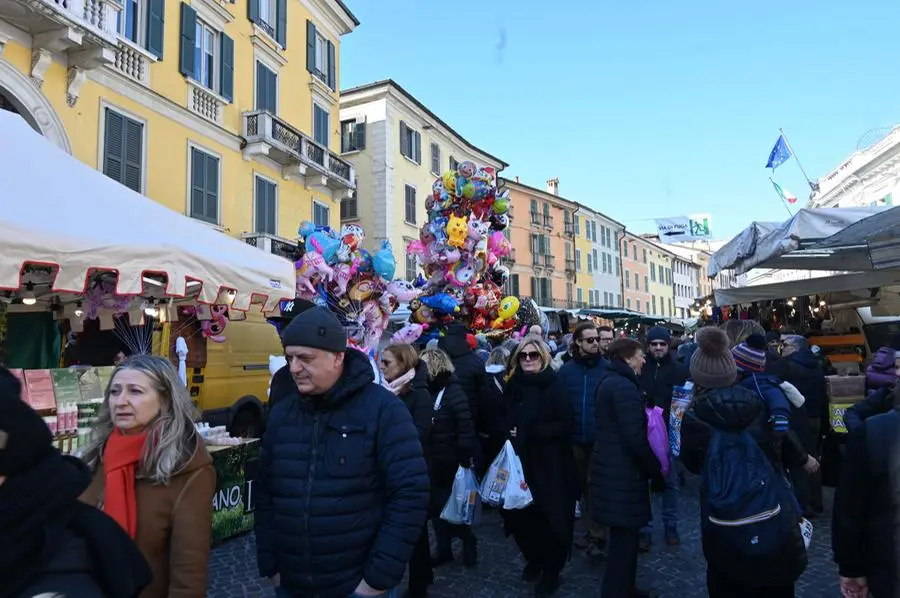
[(517, 178), (553, 186)]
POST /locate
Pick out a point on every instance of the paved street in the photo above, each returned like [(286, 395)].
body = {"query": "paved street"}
[(671, 572)]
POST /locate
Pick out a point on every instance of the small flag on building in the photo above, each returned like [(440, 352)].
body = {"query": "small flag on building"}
[(784, 193), (780, 154)]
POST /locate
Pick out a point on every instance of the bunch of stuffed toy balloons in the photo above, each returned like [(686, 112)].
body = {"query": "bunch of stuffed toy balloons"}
[(459, 249), (358, 286)]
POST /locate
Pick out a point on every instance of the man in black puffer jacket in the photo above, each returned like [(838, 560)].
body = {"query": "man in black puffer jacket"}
[(468, 366), (342, 487)]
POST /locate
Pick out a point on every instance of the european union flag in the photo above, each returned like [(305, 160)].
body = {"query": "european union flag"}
[(779, 154)]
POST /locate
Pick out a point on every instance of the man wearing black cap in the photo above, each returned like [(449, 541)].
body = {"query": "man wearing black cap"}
[(659, 376), (282, 384), (51, 544), (342, 489)]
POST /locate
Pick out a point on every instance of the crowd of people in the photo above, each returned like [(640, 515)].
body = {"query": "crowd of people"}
[(351, 481)]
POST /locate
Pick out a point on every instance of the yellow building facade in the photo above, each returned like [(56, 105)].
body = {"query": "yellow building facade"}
[(583, 257), (398, 147), (661, 283), (225, 112)]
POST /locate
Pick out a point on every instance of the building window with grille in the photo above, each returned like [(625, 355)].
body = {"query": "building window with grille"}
[(409, 204), (435, 159)]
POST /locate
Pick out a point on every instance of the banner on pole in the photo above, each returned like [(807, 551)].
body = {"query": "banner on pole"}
[(684, 228)]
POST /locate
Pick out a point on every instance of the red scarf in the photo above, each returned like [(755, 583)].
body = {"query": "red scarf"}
[(121, 455)]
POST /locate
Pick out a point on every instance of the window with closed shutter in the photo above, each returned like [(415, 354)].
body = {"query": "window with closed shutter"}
[(578, 260), (321, 126), (266, 89), (123, 150), (410, 143), (321, 215), (627, 279), (353, 136), (453, 164), (204, 186), (514, 284), (409, 204), (435, 159), (350, 208), (411, 266), (266, 206)]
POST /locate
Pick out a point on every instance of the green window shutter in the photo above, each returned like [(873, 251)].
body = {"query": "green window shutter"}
[(261, 82), (417, 147), (114, 132), (272, 91), (260, 205), (198, 180), (188, 39), (332, 71), (359, 136), (310, 46), (226, 67), (133, 145), (281, 23), (212, 188), (253, 11), (156, 18)]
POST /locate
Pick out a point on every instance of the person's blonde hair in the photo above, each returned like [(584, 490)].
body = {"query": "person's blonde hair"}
[(171, 436), (437, 362), (542, 349), (738, 331)]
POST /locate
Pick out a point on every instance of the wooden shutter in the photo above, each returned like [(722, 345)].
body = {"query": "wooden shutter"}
[(534, 288), (211, 186), (261, 83), (156, 16), (359, 136), (435, 158), (332, 70), (112, 145), (310, 46), (188, 39), (404, 139), (253, 11), (281, 23), (132, 154), (198, 180), (226, 67), (418, 157), (272, 91)]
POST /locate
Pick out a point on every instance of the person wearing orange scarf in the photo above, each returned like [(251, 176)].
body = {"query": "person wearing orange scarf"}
[(121, 456)]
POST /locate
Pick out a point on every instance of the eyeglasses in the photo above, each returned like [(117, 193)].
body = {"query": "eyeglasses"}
[(590, 340), (529, 355), (659, 344)]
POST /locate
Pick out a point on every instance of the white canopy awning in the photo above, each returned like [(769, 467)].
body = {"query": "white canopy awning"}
[(791, 245), (807, 286), (877, 238), (55, 210)]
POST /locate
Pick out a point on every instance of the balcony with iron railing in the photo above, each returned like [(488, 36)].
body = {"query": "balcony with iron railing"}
[(535, 219), (569, 228), (266, 134), (548, 221), (570, 266), (548, 261)]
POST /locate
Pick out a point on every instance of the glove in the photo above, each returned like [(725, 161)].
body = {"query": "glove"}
[(658, 484)]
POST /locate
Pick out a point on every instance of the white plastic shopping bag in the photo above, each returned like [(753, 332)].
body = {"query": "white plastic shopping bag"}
[(517, 495), (806, 530), (493, 486), (460, 507)]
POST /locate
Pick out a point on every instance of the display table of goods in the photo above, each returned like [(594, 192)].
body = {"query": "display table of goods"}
[(843, 393), (68, 399), (235, 460)]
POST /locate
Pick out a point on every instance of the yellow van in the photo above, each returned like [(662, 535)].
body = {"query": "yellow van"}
[(229, 380)]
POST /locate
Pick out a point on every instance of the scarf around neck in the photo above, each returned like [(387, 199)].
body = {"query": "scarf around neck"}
[(396, 385), (121, 455)]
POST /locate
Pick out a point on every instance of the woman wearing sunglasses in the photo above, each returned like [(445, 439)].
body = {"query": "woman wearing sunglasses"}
[(540, 422), (623, 464)]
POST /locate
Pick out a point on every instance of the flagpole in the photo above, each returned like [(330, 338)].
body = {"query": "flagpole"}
[(781, 197), (788, 143)]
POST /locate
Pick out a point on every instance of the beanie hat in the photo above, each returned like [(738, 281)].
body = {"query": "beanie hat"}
[(317, 328), (750, 355), (658, 333), (712, 365), (24, 437)]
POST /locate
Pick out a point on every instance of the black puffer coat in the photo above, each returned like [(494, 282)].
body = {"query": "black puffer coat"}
[(468, 367), (542, 415), (803, 370), (453, 442), (738, 408), (658, 378), (623, 461), (417, 399), (342, 488)]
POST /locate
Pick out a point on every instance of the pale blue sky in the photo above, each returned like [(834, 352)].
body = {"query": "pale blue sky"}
[(649, 110)]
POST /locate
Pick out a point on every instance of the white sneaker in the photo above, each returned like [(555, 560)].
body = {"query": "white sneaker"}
[(577, 509)]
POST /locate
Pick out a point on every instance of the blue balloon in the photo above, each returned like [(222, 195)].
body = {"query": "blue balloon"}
[(365, 261), (306, 229), (324, 244), (441, 302), (383, 261)]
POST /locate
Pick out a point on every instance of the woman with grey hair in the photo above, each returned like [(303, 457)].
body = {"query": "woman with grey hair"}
[(153, 475)]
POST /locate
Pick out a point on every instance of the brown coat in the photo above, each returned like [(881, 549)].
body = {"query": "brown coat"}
[(174, 526)]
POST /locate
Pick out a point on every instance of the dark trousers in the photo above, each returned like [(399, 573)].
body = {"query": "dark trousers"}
[(445, 532), (583, 458), (621, 562), (720, 586), (815, 449), (421, 575), (535, 538)]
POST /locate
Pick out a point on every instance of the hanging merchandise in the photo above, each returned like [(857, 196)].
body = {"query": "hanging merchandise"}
[(338, 274), (459, 249)]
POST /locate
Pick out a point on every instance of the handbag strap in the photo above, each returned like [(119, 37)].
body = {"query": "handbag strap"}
[(439, 399)]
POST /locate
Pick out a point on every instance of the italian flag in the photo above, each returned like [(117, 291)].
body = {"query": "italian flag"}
[(784, 193)]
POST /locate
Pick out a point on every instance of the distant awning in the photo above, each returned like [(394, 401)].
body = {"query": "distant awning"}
[(808, 286)]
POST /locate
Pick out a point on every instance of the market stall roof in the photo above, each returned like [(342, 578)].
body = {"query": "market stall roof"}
[(808, 286), (877, 236), (792, 244), (58, 211)]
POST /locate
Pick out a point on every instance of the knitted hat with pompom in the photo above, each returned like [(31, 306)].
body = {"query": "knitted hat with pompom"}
[(712, 364)]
